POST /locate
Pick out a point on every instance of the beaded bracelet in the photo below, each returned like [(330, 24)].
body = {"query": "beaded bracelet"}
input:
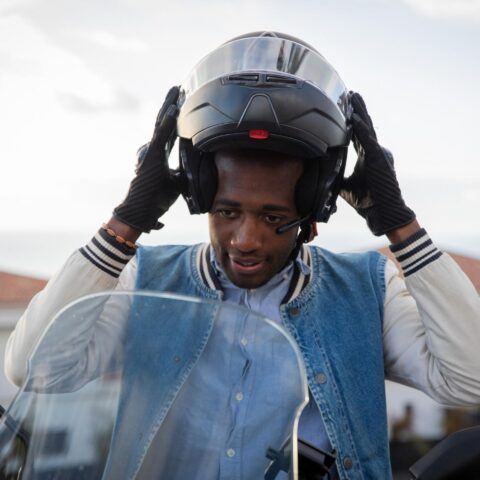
[(118, 238)]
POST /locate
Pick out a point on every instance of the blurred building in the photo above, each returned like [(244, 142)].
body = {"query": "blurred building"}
[(16, 291), (416, 421), (471, 266)]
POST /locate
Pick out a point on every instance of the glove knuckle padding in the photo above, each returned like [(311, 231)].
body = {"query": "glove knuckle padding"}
[(373, 189), (153, 189)]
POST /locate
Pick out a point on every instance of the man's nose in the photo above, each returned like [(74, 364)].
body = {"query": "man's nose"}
[(247, 237)]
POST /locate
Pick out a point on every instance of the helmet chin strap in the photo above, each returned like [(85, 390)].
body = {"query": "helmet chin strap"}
[(308, 231)]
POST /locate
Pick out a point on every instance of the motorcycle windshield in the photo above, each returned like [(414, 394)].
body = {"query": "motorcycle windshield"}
[(147, 385)]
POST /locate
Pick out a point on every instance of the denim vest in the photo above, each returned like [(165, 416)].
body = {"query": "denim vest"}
[(336, 320)]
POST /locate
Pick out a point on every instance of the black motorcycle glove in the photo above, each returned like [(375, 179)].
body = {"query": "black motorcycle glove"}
[(373, 189), (155, 187)]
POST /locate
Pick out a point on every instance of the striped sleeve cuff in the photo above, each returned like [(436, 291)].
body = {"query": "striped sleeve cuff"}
[(415, 252), (107, 254)]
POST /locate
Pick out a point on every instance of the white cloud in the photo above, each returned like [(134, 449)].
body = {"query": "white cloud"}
[(115, 42), (468, 9), (7, 5), (45, 142), (30, 54), (123, 101)]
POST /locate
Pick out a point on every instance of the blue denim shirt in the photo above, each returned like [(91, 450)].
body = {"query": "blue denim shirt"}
[(267, 300), (336, 321)]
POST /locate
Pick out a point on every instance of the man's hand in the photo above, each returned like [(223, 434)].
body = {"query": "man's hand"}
[(155, 187), (373, 189)]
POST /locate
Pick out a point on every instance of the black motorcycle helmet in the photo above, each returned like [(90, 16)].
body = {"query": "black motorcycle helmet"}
[(269, 91)]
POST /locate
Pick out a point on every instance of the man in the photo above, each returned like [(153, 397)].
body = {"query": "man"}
[(352, 315)]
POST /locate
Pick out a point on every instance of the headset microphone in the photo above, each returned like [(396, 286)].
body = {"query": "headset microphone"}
[(292, 224)]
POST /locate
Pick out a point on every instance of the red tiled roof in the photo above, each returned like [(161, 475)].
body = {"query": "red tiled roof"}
[(471, 266), (18, 289)]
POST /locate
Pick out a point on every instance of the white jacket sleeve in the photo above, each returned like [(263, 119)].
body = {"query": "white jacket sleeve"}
[(97, 267), (432, 325)]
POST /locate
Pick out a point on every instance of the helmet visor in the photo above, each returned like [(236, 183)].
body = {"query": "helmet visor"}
[(271, 55)]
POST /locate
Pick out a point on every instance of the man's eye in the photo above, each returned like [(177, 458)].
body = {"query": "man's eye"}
[(227, 213), (273, 219)]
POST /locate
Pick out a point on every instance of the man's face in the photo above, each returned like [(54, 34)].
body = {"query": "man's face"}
[(256, 195)]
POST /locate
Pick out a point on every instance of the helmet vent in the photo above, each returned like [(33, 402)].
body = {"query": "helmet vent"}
[(281, 79), (259, 79), (243, 78)]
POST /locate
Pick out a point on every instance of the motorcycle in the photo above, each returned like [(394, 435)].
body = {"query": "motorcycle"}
[(141, 385)]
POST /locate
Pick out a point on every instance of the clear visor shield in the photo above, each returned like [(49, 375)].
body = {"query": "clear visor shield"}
[(149, 385), (273, 55)]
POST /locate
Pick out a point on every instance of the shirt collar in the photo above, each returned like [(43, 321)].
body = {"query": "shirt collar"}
[(284, 275)]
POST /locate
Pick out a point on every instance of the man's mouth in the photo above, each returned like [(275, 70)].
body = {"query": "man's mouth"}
[(244, 266)]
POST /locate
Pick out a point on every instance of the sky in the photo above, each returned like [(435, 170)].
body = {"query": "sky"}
[(81, 83)]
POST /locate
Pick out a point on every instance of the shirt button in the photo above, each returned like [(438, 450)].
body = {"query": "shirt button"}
[(294, 311), (231, 452), (239, 396), (320, 378), (347, 463), (243, 341)]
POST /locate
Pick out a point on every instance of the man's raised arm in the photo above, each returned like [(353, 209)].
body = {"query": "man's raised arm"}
[(431, 326)]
